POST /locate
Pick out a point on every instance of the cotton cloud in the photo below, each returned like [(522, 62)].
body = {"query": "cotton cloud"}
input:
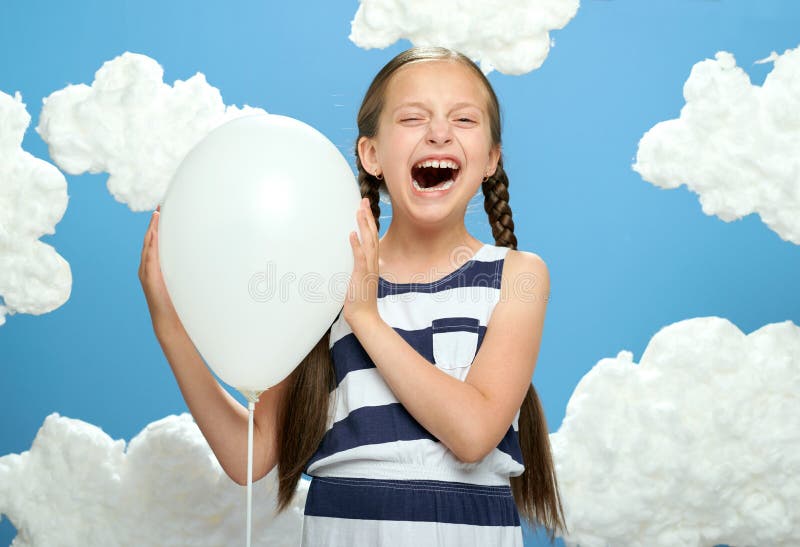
[(694, 446), (510, 36), (132, 125), (735, 144), (34, 278), (78, 487)]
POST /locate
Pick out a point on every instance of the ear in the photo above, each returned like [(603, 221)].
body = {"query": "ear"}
[(368, 155), (494, 158)]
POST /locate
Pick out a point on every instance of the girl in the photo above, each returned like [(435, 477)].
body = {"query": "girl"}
[(414, 414)]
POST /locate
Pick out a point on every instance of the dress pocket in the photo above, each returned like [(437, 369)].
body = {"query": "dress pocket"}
[(455, 341)]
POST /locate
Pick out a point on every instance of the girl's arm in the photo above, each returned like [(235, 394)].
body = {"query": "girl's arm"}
[(220, 417), (470, 417)]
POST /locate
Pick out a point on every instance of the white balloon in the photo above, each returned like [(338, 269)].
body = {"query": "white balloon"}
[(254, 248)]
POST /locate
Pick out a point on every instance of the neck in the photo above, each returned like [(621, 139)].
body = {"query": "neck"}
[(409, 247)]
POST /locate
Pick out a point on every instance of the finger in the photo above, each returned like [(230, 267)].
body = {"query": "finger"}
[(373, 228), (363, 225), (353, 238), (366, 209), (360, 248), (372, 238), (358, 252), (360, 226), (147, 237), (359, 233), (142, 259), (155, 231), (354, 243)]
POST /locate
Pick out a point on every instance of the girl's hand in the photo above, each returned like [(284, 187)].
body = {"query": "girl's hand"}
[(162, 312), (362, 295)]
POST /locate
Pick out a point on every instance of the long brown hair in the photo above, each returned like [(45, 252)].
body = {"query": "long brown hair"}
[(304, 414)]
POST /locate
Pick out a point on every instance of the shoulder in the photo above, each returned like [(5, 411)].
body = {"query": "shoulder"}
[(525, 276), (524, 260)]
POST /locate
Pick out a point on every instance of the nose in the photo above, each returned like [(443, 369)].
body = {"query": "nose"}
[(439, 132)]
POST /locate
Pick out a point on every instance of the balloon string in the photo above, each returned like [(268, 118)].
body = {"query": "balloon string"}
[(252, 399), (251, 406)]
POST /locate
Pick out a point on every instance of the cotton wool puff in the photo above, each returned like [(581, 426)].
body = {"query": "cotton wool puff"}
[(34, 278), (697, 445), (131, 125), (78, 487), (735, 144), (512, 36)]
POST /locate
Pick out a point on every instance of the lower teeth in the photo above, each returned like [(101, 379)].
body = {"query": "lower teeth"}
[(438, 188)]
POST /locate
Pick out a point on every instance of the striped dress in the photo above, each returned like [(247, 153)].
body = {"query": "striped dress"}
[(378, 477)]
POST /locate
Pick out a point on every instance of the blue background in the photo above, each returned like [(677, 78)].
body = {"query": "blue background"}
[(625, 257)]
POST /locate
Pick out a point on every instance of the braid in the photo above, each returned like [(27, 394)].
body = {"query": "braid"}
[(369, 187), (495, 192), (536, 490)]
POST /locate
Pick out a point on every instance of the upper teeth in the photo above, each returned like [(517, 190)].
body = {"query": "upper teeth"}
[(438, 164)]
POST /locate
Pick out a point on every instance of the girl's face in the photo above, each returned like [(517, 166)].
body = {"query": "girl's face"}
[(434, 114)]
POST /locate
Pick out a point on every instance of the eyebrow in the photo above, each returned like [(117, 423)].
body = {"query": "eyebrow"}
[(422, 105)]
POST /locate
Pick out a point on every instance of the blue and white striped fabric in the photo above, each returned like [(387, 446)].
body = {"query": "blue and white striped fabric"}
[(379, 477)]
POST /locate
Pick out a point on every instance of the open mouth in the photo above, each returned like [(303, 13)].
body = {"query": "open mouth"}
[(434, 175)]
